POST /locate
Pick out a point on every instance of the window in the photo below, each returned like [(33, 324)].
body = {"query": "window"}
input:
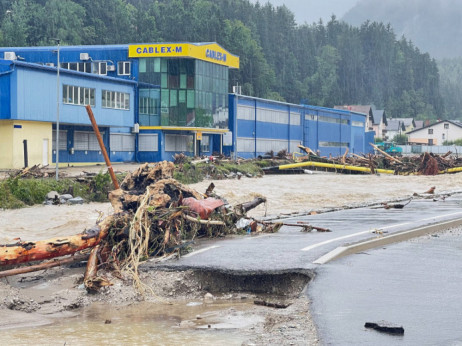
[(430, 131), (328, 119), (115, 100), (205, 144), (122, 142), (334, 144), (148, 142), (77, 66), (123, 68), (87, 141), (100, 67), (446, 126), (78, 95), (62, 140), (178, 143)]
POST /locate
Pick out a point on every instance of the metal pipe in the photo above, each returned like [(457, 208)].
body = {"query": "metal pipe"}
[(26, 155), (103, 148), (331, 165), (57, 114)]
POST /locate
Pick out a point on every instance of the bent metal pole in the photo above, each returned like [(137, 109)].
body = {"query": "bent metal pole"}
[(103, 148)]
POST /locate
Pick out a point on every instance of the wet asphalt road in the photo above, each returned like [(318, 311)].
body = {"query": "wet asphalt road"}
[(291, 249), (417, 283)]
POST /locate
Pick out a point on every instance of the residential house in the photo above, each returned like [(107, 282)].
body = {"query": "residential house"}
[(394, 127), (436, 134)]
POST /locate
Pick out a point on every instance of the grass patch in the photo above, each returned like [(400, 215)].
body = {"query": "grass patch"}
[(19, 192)]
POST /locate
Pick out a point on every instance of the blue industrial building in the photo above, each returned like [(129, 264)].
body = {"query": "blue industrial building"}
[(150, 102), (264, 125)]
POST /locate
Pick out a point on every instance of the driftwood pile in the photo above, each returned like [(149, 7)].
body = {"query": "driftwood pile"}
[(424, 164), (36, 171), (154, 215)]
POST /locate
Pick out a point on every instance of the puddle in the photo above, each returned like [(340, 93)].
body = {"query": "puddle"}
[(218, 323)]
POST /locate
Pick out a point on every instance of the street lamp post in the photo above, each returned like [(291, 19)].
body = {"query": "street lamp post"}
[(57, 40)]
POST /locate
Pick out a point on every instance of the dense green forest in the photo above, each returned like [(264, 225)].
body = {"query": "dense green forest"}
[(323, 64)]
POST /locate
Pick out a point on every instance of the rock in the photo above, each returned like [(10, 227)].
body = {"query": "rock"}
[(76, 200), (385, 327), (66, 196), (208, 296), (52, 195)]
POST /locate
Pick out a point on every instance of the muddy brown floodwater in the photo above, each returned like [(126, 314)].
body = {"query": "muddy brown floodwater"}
[(151, 322)]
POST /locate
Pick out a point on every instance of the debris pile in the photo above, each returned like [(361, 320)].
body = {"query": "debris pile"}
[(154, 215), (36, 171), (424, 164)]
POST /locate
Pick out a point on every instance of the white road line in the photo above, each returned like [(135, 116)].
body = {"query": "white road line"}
[(200, 251), (438, 217), (311, 247)]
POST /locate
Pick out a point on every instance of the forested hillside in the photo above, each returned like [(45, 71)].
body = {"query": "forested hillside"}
[(323, 64)]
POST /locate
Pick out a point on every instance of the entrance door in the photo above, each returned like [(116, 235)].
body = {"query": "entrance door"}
[(45, 152)]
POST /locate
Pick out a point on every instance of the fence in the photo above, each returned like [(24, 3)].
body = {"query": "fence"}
[(435, 149)]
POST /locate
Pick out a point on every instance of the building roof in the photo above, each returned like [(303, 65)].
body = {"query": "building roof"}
[(395, 125), (364, 109), (419, 124), (407, 121), (439, 122), (379, 116), (13, 63)]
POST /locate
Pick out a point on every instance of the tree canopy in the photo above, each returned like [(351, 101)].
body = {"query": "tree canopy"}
[(323, 64)]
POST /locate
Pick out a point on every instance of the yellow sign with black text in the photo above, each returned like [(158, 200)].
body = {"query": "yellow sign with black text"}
[(210, 52)]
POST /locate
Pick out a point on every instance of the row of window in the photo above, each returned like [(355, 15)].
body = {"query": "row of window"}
[(265, 145), (82, 96), (326, 119), (125, 142), (268, 115), (334, 144), (115, 99), (98, 67), (78, 95)]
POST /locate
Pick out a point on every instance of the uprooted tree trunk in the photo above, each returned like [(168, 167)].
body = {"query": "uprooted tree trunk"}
[(22, 252)]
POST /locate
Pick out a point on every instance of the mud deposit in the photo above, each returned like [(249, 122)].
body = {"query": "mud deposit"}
[(189, 307)]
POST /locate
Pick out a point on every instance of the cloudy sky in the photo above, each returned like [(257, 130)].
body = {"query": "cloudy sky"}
[(311, 10)]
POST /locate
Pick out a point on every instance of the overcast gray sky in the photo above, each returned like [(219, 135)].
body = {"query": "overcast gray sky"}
[(311, 10)]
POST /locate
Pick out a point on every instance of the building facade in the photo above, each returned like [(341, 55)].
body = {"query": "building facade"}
[(150, 101), (436, 134)]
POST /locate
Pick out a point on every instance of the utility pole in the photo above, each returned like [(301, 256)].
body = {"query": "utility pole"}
[(57, 40)]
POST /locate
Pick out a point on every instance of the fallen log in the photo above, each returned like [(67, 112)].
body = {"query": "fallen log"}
[(388, 156), (22, 252), (44, 265)]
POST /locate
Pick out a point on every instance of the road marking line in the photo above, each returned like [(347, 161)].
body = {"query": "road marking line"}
[(200, 251), (311, 247), (438, 217)]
